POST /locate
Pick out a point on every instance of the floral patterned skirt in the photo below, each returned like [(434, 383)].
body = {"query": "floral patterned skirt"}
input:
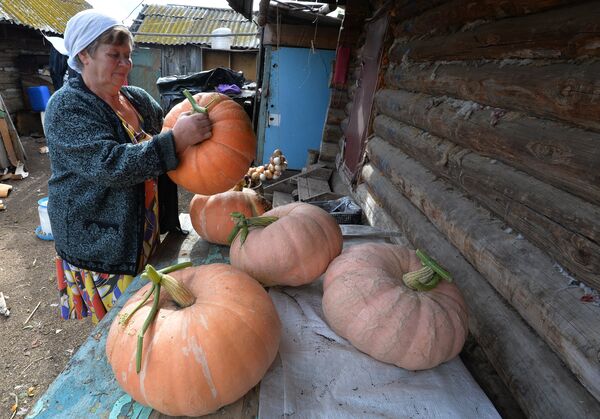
[(85, 293)]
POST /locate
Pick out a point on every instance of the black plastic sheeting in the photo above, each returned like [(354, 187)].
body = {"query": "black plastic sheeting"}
[(171, 87)]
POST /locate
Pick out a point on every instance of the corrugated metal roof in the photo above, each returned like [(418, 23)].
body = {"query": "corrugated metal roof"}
[(189, 20), (44, 15)]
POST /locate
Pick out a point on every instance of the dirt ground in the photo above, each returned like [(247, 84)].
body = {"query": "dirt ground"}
[(35, 344), (33, 352)]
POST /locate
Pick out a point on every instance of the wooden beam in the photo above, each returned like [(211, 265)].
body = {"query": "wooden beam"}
[(310, 189), (563, 225), (523, 274), (454, 15), (565, 91), (555, 34), (556, 153), (540, 382), (406, 9)]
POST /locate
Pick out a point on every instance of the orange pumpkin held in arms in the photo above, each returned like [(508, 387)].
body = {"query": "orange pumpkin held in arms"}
[(217, 164)]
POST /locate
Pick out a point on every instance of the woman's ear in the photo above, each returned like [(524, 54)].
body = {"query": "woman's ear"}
[(84, 57)]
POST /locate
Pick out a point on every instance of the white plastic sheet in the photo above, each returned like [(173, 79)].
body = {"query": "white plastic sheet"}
[(320, 375)]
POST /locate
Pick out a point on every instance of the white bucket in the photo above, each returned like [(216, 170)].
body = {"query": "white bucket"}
[(221, 42), (44, 219)]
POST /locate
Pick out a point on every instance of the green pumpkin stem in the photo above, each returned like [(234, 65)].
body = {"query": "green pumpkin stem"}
[(197, 108), (181, 295), (147, 323), (428, 277), (243, 224)]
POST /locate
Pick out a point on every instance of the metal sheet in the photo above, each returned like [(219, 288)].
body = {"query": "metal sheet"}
[(146, 70)]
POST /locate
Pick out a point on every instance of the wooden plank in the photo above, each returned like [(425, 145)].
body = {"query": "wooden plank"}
[(328, 152), (555, 34), (540, 382), (311, 189), (244, 408), (13, 134), (563, 225), (563, 91), (301, 36), (317, 171), (455, 15), (281, 198), (405, 9), (7, 141), (315, 167), (559, 154), (523, 274)]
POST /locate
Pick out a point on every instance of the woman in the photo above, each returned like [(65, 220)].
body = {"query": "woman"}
[(106, 151)]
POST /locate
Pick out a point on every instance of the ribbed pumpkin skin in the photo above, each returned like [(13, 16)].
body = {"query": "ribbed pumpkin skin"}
[(217, 164), (366, 302), (211, 215), (294, 250), (202, 357)]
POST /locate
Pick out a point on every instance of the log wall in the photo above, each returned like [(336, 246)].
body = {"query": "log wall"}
[(485, 152)]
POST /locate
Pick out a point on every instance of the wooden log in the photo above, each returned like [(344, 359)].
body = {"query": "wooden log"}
[(406, 9), (540, 382), (558, 154), (454, 15), (332, 132), (335, 116), (378, 216), (556, 34), (524, 275), (564, 91), (563, 225)]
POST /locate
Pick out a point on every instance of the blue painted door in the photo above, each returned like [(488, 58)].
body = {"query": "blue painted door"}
[(296, 102)]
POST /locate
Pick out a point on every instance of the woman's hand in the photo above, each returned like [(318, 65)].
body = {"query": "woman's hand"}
[(191, 128)]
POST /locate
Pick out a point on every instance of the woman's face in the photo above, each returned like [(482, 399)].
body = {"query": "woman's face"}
[(109, 66)]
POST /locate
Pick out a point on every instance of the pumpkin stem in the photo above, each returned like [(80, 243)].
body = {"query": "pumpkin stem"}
[(428, 277), (181, 295), (197, 108), (125, 318), (147, 323), (241, 223)]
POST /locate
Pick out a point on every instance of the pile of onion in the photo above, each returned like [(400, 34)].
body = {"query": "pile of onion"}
[(272, 170)]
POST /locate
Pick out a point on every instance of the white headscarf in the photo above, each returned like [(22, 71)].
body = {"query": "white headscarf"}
[(82, 29)]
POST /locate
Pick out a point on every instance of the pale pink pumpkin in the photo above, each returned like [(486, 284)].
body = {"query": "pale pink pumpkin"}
[(198, 358), (294, 250), (366, 302)]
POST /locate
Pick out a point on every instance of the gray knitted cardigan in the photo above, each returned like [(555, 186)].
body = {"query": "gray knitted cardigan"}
[(96, 189)]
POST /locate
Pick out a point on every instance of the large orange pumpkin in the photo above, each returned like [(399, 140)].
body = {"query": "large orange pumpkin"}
[(366, 302), (294, 250), (199, 358), (211, 215), (217, 164)]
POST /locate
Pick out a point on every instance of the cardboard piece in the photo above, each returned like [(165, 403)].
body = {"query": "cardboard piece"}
[(5, 190)]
